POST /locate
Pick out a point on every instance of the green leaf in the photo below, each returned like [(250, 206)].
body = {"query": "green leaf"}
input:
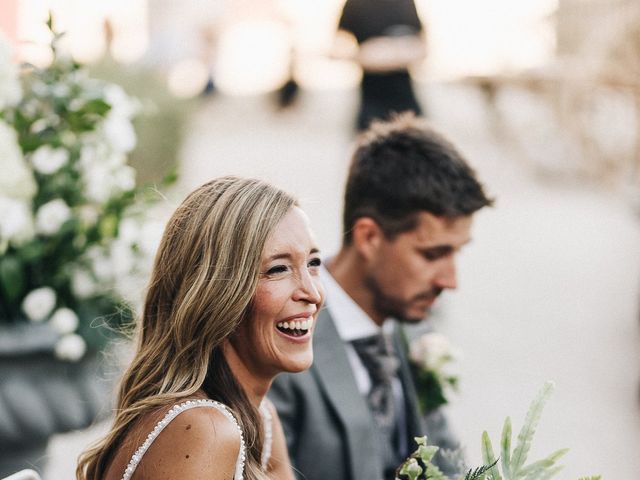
[(488, 457), (411, 469), (32, 251), (12, 278), (543, 465), (548, 474), (96, 106), (505, 447), (525, 437), (426, 453), (479, 473)]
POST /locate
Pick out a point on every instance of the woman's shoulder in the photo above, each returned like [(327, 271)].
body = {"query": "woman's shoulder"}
[(195, 439)]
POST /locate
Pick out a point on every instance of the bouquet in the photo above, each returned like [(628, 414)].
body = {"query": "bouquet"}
[(70, 235), (511, 463)]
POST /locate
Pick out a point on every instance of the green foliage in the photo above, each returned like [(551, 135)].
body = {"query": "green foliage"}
[(419, 465), (511, 465), (72, 136)]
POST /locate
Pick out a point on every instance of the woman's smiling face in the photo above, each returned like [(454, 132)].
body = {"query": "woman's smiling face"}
[(277, 335)]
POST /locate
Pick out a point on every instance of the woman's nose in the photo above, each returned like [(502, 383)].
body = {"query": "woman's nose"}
[(309, 289)]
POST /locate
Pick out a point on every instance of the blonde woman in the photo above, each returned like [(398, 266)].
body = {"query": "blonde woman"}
[(231, 303)]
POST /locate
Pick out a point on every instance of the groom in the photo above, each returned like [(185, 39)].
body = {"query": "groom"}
[(409, 202)]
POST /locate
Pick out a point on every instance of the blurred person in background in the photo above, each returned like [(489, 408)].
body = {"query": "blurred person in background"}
[(390, 38), (409, 203), (232, 301)]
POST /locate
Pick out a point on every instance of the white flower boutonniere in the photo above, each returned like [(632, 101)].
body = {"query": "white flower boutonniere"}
[(431, 355)]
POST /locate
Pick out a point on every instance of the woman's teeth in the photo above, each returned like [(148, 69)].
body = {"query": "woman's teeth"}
[(295, 327)]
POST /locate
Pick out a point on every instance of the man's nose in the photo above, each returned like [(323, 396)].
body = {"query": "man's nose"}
[(447, 277)]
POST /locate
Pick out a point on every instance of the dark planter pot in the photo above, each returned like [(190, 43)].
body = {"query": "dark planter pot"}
[(41, 396)]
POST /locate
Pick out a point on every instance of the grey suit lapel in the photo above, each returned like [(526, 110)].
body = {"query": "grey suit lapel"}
[(333, 371)]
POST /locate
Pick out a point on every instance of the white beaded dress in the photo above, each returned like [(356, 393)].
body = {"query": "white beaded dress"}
[(207, 403)]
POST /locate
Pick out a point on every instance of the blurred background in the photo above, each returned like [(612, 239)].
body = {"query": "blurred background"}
[(543, 97)]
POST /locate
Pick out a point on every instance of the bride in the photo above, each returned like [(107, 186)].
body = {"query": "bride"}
[(231, 303)]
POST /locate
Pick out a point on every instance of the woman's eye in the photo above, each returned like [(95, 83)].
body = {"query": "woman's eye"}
[(315, 262), (277, 269)]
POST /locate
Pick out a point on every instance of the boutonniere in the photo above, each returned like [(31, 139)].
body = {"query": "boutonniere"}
[(431, 357)]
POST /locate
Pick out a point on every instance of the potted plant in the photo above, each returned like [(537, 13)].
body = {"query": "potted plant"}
[(71, 242)]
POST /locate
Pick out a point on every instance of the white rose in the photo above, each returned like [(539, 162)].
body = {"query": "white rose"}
[(47, 160), (129, 231), (37, 305), (10, 91), (100, 264), (432, 350), (64, 320), (124, 178), (16, 180), (98, 184), (88, 215), (119, 132), (51, 216), (122, 259), (82, 284), (71, 347), (121, 104), (16, 221)]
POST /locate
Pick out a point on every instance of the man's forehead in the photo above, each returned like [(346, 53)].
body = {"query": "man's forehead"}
[(431, 228)]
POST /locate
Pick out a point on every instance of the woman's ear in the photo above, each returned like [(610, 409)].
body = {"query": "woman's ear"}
[(367, 237)]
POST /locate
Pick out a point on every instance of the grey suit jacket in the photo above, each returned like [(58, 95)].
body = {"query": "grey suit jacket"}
[(327, 422)]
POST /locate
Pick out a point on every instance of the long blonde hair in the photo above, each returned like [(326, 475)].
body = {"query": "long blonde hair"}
[(204, 279)]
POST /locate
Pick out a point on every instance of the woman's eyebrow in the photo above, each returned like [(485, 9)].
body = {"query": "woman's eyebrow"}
[(288, 256)]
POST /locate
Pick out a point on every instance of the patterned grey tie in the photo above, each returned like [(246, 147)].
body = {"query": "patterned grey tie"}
[(376, 353)]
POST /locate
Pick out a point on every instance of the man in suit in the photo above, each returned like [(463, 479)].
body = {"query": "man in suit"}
[(409, 202)]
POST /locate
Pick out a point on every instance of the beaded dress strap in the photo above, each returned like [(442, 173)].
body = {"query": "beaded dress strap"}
[(173, 413), (267, 422)]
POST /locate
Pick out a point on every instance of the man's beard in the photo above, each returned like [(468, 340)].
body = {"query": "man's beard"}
[(390, 306)]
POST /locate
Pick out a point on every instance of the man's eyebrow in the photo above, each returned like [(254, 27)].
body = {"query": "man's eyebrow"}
[(444, 248), (437, 249)]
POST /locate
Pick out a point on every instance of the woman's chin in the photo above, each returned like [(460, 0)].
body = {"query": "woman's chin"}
[(299, 364)]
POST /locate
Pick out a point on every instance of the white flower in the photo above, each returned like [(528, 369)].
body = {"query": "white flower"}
[(121, 104), (82, 284), (16, 179), (122, 259), (51, 216), (64, 320), (37, 305), (16, 221), (119, 132), (124, 178), (129, 231), (432, 350), (47, 160), (10, 91), (88, 215), (70, 347), (98, 186), (100, 264)]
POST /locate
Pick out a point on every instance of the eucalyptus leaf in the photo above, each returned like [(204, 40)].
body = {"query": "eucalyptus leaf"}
[(525, 437), (488, 457), (505, 448)]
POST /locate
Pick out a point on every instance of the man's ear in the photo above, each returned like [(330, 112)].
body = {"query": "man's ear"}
[(367, 237)]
